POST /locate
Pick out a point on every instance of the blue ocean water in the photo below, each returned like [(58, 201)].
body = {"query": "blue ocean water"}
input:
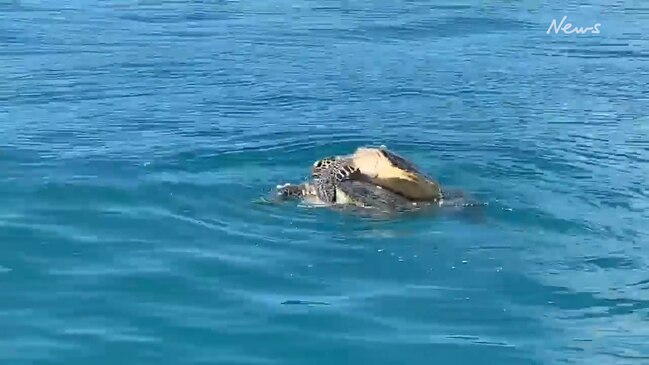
[(136, 138)]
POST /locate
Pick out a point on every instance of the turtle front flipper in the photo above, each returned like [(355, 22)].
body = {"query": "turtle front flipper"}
[(322, 165), (328, 178)]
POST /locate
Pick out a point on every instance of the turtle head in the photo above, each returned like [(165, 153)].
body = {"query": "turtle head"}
[(290, 191)]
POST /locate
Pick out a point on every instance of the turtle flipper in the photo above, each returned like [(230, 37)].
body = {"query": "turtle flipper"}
[(326, 190), (322, 165), (328, 178)]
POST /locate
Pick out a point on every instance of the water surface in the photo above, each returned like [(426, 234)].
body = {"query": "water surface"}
[(135, 138)]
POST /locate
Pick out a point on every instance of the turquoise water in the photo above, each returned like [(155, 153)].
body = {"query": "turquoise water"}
[(136, 138)]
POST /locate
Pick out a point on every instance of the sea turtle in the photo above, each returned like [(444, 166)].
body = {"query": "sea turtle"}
[(373, 178), (379, 166)]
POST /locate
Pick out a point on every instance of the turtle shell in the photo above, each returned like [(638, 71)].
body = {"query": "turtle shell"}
[(391, 171)]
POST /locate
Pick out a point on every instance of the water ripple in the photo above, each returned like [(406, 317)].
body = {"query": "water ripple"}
[(136, 141)]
